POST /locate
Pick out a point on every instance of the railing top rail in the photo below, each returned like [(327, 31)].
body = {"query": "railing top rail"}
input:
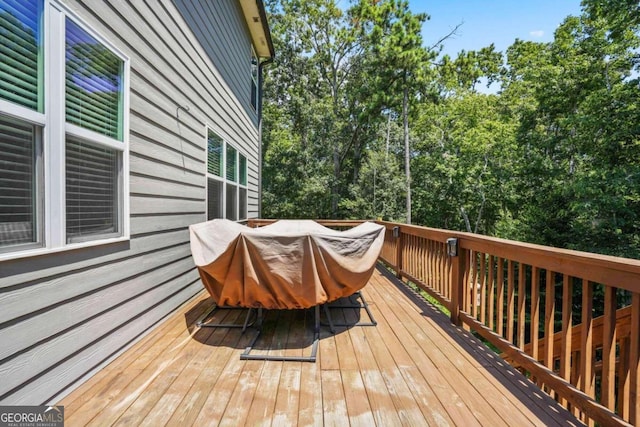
[(609, 270)]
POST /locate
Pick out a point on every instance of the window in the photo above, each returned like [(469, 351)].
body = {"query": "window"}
[(254, 80), (226, 180), (76, 126)]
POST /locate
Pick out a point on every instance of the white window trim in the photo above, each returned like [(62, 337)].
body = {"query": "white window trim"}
[(223, 179), (54, 129)]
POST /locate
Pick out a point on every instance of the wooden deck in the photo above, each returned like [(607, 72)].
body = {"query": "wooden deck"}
[(414, 368)]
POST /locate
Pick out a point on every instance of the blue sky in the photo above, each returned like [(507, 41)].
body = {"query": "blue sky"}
[(492, 21)]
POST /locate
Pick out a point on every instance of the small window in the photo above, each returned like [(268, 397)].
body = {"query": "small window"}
[(226, 180), (254, 80)]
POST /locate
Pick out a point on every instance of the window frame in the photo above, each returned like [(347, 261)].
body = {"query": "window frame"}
[(255, 80), (53, 129), (223, 177)]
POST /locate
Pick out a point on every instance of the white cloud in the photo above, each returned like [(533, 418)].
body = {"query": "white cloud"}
[(536, 33)]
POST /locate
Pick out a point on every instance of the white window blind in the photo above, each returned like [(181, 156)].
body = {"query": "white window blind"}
[(92, 83), (21, 79), (214, 154), (243, 169), (243, 203), (232, 171), (214, 199), (92, 189), (18, 180), (232, 202)]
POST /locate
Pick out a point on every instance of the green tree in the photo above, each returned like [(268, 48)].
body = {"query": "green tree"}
[(401, 63)]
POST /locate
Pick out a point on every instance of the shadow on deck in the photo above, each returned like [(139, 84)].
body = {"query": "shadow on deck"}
[(413, 368)]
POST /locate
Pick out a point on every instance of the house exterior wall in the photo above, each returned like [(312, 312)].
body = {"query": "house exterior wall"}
[(65, 315)]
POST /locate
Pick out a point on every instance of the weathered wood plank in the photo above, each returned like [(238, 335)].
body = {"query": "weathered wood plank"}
[(413, 368), (102, 388)]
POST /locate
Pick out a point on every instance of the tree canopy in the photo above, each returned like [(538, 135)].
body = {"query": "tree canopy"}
[(362, 120)]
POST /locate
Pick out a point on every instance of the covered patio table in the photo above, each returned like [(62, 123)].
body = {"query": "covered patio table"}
[(289, 264)]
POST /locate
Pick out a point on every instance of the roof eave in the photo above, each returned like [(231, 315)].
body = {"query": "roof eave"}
[(256, 18)]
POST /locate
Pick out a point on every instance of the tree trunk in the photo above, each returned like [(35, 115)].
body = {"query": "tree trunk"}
[(407, 148)]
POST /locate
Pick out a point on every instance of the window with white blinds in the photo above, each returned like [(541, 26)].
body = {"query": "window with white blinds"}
[(232, 161), (226, 180), (91, 190), (232, 202), (93, 87), (242, 203), (214, 154), (19, 176), (79, 132), (243, 169), (215, 194), (21, 76)]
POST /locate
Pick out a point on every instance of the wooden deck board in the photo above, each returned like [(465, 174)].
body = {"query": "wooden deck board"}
[(414, 368)]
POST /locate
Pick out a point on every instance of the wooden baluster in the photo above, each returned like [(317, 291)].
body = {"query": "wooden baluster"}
[(399, 251), (575, 376), (436, 267), (511, 300), (414, 256), (587, 374), (549, 316), (457, 279), (474, 285), (448, 278), (423, 259), (634, 361), (483, 288), (522, 300), (420, 259), (567, 325), (609, 348), (468, 290), (439, 267), (500, 298), (408, 262), (623, 377), (491, 291), (408, 253), (535, 311), (432, 264), (446, 272)]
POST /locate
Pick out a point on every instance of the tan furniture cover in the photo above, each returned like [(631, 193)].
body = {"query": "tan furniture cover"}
[(288, 264)]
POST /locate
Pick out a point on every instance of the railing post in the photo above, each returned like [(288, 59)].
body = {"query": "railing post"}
[(458, 260), (398, 235)]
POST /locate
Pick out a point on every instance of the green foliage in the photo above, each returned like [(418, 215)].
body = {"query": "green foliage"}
[(355, 101)]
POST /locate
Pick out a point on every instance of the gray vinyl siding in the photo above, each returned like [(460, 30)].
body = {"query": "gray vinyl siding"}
[(65, 315), (220, 27)]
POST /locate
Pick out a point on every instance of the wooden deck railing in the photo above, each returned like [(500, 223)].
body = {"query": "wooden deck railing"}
[(570, 321)]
